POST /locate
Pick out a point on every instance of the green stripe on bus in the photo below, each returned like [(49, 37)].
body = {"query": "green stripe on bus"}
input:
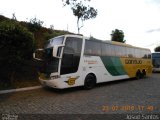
[(113, 65)]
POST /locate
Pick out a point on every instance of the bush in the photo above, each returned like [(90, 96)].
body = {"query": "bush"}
[(157, 49), (55, 33), (35, 24), (16, 46)]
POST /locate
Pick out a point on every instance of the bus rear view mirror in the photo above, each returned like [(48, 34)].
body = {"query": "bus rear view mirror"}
[(57, 51), (39, 54)]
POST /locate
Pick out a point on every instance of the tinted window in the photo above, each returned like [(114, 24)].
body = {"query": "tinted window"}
[(71, 55), (106, 49), (50, 63), (73, 45), (149, 55), (123, 50), (137, 53), (92, 48), (141, 53), (145, 54), (155, 55), (54, 41), (112, 50), (130, 52), (120, 51), (117, 52)]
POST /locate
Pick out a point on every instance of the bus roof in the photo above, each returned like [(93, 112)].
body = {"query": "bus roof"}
[(118, 43), (127, 45), (104, 41), (155, 52)]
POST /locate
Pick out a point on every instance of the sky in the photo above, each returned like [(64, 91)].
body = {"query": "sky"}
[(139, 19)]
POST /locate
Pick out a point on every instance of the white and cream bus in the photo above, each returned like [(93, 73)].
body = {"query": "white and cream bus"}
[(74, 60)]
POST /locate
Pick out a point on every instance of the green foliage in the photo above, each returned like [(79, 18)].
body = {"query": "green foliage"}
[(157, 49), (35, 24), (17, 43), (16, 46), (68, 2), (118, 36), (81, 11), (55, 33), (2, 18)]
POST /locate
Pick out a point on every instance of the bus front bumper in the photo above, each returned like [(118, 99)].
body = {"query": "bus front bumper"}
[(54, 83)]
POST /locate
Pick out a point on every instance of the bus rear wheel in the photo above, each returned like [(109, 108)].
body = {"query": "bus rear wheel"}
[(138, 75), (143, 73), (90, 82)]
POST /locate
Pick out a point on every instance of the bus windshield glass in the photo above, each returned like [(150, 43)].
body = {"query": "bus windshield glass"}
[(156, 60), (54, 41), (50, 63)]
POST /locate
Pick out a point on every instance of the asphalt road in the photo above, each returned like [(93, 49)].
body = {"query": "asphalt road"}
[(127, 97)]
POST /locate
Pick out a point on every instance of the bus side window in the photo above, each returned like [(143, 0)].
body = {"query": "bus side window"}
[(145, 54), (123, 51), (112, 48), (103, 49), (137, 53), (92, 48), (117, 52), (87, 50), (120, 51), (130, 52), (106, 49)]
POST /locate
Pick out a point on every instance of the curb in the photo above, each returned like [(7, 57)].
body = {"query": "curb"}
[(19, 89)]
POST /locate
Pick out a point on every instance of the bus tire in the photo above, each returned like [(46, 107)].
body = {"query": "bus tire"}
[(143, 73), (90, 82), (138, 75)]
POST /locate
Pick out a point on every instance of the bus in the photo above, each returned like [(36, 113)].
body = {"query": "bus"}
[(156, 61), (75, 60)]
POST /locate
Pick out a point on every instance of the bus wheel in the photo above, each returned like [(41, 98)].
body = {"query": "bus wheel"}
[(138, 75), (90, 82), (143, 73)]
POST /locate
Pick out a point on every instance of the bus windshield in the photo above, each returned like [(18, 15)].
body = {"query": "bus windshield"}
[(50, 63), (54, 41), (156, 60)]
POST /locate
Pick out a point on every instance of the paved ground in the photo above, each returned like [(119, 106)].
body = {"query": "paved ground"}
[(128, 96)]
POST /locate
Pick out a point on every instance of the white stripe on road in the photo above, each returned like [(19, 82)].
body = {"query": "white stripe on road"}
[(20, 89)]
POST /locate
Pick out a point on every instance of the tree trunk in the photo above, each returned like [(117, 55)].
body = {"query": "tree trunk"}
[(78, 25)]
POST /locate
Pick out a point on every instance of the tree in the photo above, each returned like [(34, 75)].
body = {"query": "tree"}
[(157, 49), (118, 36), (16, 46), (14, 16), (35, 24), (81, 11)]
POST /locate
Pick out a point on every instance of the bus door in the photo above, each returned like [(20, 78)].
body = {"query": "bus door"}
[(71, 60)]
